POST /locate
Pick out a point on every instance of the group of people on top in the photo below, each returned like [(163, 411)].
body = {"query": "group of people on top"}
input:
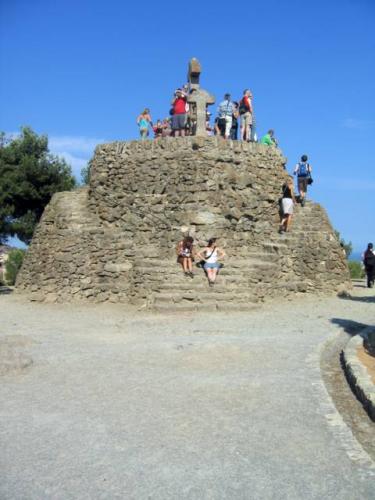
[(225, 125)]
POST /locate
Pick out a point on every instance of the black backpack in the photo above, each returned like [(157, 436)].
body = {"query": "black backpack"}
[(242, 108), (369, 259)]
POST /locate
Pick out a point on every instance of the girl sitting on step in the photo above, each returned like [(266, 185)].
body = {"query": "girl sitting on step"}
[(211, 254), (185, 255)]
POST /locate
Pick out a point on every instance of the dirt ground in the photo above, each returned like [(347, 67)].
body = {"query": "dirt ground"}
[(104, 401)]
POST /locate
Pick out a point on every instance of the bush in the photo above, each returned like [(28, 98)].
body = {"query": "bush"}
[(356, 270), (13, 264)]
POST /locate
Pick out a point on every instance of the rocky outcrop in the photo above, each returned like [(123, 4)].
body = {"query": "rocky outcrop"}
[(115, 240)]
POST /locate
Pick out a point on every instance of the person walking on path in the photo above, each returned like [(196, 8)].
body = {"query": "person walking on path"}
[(288, 201), (211, 254), (303, 171), (369, 263), (144, 121), (185, 255), (246, 114), (269, 139), (225, 111), (179, 113)]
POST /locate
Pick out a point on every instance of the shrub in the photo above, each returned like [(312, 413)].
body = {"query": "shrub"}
[(356, 270), (13, 264)]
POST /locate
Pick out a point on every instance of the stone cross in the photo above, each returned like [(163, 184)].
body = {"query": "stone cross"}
[(194, 72), (198, 98)]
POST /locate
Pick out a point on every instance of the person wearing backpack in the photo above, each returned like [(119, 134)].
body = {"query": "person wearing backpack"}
[(246, 114), (369, 263), (303, 171)]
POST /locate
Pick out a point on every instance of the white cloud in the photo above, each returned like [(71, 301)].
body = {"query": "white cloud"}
[(75, 162), (356, 124), (74, 144), (76, 150)]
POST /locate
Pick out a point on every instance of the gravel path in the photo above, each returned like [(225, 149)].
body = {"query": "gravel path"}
[(102, 402)]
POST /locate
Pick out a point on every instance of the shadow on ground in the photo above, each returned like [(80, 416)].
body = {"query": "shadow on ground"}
[(359, 283), (349, 326), (359, 286), (5, 290), (359, 299)]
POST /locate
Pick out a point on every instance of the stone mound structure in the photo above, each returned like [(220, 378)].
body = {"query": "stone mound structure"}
[(115, 240)]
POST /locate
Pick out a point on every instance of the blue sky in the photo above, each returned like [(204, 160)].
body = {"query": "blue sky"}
[(81, 71)]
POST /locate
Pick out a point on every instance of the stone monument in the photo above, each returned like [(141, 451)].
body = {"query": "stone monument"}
[(115, 239), (198, 99)]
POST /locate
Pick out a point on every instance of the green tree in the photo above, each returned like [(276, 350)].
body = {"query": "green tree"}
[(85, 174), (29, 176), (347, 246), (356, 269), (13, 264)]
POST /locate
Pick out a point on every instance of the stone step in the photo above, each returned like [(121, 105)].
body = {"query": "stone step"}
[(227, 278), (298, 232), (209, 295), (200, 307), (293, 286), (225, 272), (199, 285), (236, 266), (171, 308), (202, 287), (278, 247)]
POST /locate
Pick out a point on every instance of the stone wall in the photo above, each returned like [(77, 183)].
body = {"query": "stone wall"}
[(116, 239)]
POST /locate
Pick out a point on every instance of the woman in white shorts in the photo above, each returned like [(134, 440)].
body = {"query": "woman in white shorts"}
[(287, 205), (211, 254)]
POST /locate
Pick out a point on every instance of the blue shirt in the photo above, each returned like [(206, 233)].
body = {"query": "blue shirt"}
[(225, 108)]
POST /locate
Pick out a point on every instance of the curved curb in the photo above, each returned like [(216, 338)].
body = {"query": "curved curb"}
[(357, 374)]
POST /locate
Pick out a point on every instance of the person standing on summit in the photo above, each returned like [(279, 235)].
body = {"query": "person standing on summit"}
[(144, 121), (179, 113), (225, 112), (246, 114)]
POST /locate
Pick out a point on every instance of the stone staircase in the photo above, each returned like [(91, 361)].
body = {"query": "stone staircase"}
[(244, 281), (234, 288), (310, 230)]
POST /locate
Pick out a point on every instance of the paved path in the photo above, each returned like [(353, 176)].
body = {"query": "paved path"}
[(128, 405)]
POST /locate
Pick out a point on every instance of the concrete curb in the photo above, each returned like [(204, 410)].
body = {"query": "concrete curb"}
[(357, 374)]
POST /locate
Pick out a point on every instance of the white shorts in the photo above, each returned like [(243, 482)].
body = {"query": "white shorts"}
[(287, 205)]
